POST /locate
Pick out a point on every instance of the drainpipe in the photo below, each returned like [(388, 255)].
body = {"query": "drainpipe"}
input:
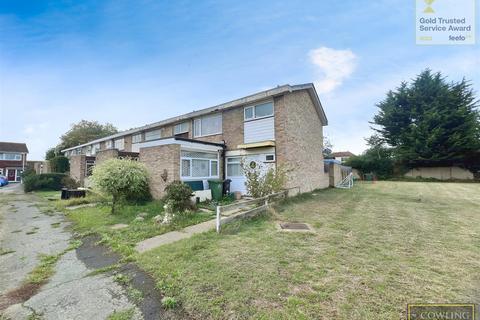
[(224, 159), (23, 166)]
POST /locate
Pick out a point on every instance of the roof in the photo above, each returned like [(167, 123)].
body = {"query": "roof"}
[(342, 154), (13, 147), (224, 106)]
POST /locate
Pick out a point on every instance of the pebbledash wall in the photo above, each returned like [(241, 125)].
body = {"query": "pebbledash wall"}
[(299, 141)]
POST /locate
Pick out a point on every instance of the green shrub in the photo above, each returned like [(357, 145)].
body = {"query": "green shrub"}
[(178, 196), (48, 181), (260, 183), (59, 164), (28, 172), (122, 179)]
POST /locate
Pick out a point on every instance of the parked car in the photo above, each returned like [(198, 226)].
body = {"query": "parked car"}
[(3, 181)]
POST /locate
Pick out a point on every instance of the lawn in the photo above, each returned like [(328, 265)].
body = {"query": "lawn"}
[(98, 220), (376, 248)]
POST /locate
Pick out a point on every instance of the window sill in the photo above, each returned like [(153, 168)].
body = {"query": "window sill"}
[(208, 135)]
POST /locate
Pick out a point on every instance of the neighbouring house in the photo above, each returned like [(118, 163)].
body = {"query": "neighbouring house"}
[(342, 156), (39, 166), (280, 126), (13, 160)]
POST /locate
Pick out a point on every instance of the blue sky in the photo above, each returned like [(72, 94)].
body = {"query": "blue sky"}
[(135, 62)]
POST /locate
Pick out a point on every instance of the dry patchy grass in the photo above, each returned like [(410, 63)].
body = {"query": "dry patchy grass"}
[(377, 247)]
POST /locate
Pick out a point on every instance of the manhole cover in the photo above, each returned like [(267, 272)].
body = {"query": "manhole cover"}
[(294, 226)]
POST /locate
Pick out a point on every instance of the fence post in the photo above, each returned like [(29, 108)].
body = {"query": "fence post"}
[(218, 219)]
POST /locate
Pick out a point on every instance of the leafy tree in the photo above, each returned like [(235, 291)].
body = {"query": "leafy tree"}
[(262, 181), (50, 154), (430, 119), (121, 179), (85, 131), (377, 159), (59, 164), (327, 147)]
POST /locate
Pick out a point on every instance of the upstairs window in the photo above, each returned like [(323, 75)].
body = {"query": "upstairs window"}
[(207, 125), (96, 148), (119, 144), (108, 144), (137, 138), (153, 135), (10, 156), (180, 128), (259, 111)]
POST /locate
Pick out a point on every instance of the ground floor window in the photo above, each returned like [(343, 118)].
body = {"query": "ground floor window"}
[(199, 165), (89, 164), (234, 167)]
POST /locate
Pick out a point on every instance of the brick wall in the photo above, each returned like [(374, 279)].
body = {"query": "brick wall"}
[(299, 141), (127, 143), (105, 154), (77, 168), (163, 165)]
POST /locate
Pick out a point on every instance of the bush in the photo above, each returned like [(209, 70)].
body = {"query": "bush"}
[(122, 179), (28, 172), (48, 181), (260, 183), (59, 164), (178, 196)]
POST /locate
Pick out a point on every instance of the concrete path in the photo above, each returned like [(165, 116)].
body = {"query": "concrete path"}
[(187, 232), (71, 293), (174, 236)]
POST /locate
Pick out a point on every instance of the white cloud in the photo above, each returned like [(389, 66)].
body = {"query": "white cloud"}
[(334, 66)]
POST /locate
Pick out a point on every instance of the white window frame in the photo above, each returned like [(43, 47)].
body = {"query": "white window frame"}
[(199, 121), (108, 144), (17, 156), (253, 111), (95, 148), (1, 171), (190, 177), (137, 138), (181, 127), (153, 133), (236, 161), (119, 144)]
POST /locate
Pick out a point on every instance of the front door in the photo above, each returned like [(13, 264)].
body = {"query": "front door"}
[(11, 174), (234, 172)]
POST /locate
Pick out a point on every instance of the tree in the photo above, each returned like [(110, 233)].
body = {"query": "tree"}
[(50, 154), (59, 164), (327, 147), (121, 179), (85, 131), (430, 119)]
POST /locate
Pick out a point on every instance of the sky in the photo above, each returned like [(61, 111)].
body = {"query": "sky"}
[(134, 62)]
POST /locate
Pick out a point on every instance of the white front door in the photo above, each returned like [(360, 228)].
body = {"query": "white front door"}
[(234, 170)]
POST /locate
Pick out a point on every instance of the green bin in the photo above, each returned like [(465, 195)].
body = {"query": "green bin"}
[(217, 189)]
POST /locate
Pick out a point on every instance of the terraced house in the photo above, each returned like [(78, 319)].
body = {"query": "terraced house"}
[(280, 126)]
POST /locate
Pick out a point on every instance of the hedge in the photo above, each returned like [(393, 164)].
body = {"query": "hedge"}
[(48, 181)]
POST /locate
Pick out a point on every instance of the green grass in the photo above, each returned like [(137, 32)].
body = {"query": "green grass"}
[(44, 270), (376, 248), (98, 220), (121, 315)]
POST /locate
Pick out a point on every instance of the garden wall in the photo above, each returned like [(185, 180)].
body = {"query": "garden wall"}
[(440, 173)]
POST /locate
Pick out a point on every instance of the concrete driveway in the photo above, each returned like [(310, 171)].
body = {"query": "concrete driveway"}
[(71, 293)]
